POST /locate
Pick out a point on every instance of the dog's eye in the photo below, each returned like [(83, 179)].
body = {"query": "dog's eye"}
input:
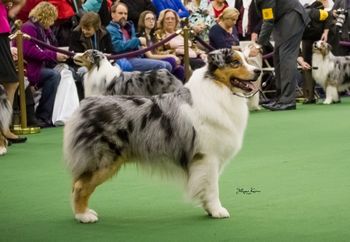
[(236, 63)]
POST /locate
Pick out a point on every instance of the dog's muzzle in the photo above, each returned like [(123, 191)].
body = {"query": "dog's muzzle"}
[(248, 86)]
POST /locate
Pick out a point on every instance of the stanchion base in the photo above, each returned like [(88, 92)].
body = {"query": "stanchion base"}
[(17, 129)]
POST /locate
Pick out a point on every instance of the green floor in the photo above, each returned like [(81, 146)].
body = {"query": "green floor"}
[(297, 162)]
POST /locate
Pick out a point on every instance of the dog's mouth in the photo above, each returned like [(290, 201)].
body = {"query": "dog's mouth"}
[(78, 61), (246, 86)]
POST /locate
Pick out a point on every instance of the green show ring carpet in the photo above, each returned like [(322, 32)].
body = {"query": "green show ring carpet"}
[(290, 182)]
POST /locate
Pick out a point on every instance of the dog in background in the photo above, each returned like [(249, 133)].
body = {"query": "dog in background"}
[(332, 72), (103, 78), (257, 61), (191, 133), (5, 119)]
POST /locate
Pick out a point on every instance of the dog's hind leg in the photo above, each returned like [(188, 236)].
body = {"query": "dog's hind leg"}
[(203, 185), (84, 186)]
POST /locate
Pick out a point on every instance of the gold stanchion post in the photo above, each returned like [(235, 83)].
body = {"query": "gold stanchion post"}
[(186, 35), (22, 129)]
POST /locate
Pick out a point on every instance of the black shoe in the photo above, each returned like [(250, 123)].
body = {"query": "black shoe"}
[(309, 101), (34, 122), (18, 140), (282, 107)]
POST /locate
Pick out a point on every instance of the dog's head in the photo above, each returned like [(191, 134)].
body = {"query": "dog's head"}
[(230, 68), (321, 47), (89, 58)]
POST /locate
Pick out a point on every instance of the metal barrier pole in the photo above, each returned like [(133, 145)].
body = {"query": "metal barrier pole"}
[(186, 34), (23, 129)]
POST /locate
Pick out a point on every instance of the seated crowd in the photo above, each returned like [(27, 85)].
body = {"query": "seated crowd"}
[(115, 27)]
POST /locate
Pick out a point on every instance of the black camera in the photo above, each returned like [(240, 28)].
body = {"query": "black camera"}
[(340, 20)]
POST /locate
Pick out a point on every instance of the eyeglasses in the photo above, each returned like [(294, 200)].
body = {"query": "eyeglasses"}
[(150, 19)]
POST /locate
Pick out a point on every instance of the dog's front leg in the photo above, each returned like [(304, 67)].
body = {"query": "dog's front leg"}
[(332, 95), (203, 185)]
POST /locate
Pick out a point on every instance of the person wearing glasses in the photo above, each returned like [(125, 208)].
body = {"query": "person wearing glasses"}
[(146, 30)]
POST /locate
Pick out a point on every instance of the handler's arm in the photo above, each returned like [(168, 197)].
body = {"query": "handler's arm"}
[(267, 9)]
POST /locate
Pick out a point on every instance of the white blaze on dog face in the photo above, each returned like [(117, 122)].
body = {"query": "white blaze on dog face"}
[(230, 68)]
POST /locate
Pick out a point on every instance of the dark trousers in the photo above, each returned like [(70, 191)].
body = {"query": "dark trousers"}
[(49, 81), (285, 61), (308, 82)]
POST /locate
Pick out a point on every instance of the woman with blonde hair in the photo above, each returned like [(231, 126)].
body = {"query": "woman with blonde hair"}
[(40, 61), (168, 23), (224, 34)]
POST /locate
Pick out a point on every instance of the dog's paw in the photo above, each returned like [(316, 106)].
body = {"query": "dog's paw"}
[(219, 212), (90, 216), (327, 101), (3, 150)]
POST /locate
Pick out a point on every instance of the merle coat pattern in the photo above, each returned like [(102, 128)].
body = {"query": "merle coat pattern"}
[(191, 133), (103, 78), (332, 72)]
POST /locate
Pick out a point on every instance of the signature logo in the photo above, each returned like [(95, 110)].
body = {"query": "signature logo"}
[(250, 191)]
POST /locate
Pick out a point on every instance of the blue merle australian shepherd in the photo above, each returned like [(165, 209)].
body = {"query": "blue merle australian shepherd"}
[(192, 132), (332, 72), (102, 78), (5, 119)]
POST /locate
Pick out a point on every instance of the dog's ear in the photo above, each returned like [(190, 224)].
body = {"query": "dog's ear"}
[(219, 58)]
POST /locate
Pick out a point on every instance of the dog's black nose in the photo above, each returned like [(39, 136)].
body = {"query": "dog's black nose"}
[(257, 72)]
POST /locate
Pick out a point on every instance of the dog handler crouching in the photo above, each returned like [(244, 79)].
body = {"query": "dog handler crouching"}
[(286, 19)]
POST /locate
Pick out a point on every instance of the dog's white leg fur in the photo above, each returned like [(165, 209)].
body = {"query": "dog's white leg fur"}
[(3, 150), (203, 185), (90, 216), (331, 95)]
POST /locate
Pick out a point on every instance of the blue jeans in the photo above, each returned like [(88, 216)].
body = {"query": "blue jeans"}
[(144, 64), (48, 81)]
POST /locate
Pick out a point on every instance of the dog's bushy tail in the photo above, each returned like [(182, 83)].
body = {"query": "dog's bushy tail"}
[(5, 110)]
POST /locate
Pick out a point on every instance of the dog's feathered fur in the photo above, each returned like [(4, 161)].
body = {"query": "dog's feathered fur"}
[(193, 131), (5, 118), (332, 73), (103, 78)]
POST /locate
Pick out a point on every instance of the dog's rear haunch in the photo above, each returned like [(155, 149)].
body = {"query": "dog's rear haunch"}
[(190, 133)]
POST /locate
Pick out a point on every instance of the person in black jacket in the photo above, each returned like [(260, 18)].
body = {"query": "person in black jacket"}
[(287, 20), (136, 7), (317, 29), (89, 34)]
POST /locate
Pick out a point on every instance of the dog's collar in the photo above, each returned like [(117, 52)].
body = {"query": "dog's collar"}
[(245, 96)]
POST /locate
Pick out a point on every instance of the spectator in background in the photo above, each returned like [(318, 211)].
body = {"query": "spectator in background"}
[(90, 34), (337, 34), (124, 39), (200, 21), (224, 34), (216, 7), (40, 61), (249, 22), (168, 23), (8, 73), (28, 6), (102, 7), (136, 7), (65, 21), (175, 5), (146, 29)]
